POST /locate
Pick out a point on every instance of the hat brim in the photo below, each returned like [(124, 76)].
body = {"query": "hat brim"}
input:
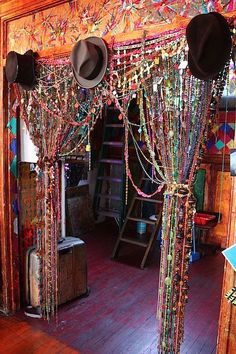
[(197, 72), (29, 87), (84, 83)]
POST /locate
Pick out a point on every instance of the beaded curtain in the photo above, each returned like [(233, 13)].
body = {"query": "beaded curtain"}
[(175, 110), (58, 115)]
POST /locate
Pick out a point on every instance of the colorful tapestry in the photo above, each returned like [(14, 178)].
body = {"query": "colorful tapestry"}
[(221, 137), (67, 23)]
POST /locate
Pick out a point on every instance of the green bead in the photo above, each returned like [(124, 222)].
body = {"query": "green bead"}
[(163, 344), (169, 257), (175, 174), (167, 281)]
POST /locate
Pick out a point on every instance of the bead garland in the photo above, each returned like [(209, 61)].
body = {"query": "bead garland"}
[(173, 108), (57, 113)]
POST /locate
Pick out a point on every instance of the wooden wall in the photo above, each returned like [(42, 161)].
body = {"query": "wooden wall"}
[(227, 323), (217, 195)]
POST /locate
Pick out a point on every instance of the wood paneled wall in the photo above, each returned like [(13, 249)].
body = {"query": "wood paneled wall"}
[(227, 321), (217, 195)]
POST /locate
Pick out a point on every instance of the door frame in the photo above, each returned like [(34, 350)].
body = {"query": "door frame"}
[(9, 11)]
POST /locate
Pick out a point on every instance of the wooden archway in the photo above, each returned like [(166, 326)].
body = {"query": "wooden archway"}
[(9, 11)]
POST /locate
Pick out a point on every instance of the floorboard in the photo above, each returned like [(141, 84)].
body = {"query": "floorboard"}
[(119, 316)]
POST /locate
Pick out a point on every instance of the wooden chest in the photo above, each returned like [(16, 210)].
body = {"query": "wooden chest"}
[(72, 276), (72, 269)]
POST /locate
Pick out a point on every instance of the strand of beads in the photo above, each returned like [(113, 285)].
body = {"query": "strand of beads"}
[(174, 105)]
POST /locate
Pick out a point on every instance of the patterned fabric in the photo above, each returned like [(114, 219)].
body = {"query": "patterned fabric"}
[(221, 138), (67, 23)]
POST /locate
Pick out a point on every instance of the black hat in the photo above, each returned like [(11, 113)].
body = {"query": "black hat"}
[(20, 68), (89, 59), (209, 41)]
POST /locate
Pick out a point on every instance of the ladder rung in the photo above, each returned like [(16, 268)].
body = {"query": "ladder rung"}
[(112, 108), (110, 179), (147, 179), (146, 221), (109, 196), (113, 143), (112, 161), (110, 213), (150, 200), (134, 242), (114, 125)]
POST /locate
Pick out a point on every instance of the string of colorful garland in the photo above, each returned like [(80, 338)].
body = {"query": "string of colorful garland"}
[(56, 114), (174, 111), (173, 108)]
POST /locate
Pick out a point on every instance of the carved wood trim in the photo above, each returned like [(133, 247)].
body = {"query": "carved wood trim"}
[(13, 9), (226, 343), (150, 30), (9, 256)]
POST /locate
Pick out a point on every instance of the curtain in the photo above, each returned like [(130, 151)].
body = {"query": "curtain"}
[(175, 113), (59, 116)]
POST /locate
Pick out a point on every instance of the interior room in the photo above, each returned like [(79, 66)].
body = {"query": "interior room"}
[(117, 177)]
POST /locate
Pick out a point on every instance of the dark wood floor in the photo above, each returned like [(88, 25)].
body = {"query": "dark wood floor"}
[(118, 317)]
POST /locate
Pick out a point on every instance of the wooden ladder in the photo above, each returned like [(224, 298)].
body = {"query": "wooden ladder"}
[(110, 184), (148, 240)]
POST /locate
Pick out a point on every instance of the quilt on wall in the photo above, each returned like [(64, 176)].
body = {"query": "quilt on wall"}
[(221, 138), (67, 23)]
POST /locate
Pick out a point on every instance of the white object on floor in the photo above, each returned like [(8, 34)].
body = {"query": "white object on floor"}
[(153, 217), (33, 312)]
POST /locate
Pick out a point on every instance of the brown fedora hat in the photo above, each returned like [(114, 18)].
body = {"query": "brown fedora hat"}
[(20, 68), (209, 40), (89, 59)]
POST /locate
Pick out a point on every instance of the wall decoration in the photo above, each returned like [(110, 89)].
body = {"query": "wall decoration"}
[(67, 23), (13, 186), (13, 146), (12, 125), (230, 255), (231, 296), (13, 166), (221, 136)]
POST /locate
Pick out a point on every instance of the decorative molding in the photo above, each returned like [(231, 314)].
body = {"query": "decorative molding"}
[(13, 9)]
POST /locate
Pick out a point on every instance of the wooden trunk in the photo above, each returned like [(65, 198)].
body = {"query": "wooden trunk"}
[(72, 270), (72, 277)]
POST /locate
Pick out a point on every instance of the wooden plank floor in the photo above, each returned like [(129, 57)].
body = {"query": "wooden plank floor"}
[(118, 317)]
